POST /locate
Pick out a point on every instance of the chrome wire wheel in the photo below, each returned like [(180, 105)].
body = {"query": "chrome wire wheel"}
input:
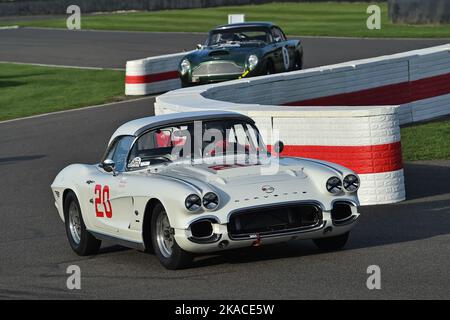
[(164, 235), (75, 222)]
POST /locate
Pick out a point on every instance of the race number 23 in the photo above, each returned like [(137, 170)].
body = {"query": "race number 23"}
[(102, 204)]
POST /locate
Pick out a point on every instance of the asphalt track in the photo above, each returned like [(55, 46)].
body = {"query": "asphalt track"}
[(108, 49), (409, 241)]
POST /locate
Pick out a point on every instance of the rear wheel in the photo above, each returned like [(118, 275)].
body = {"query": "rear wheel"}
[(166, 248), (332, 243), (80, 240)]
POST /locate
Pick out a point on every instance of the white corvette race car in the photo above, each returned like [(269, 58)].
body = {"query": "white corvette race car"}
[(200, 182)]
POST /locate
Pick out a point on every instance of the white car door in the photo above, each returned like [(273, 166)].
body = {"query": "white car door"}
[(112, 203)]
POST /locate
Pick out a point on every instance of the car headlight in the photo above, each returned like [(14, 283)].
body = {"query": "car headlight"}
[(210, 200), (193, 202), (252, 61), (334, 185), (185, 66), (351, 183)]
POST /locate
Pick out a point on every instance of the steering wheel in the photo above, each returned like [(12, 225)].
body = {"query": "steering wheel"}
[(242, 36), (161, 159)]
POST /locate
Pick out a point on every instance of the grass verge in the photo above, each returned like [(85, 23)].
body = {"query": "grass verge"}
[(27, 90), (429, 141), (309, 19)]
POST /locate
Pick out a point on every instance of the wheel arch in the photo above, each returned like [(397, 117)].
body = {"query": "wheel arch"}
[(65, 193), (70, 179), (63, 199), (146, 223)]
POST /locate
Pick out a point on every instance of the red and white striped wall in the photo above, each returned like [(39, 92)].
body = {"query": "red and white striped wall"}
[(369, 145), (153, 75), (349, 113), (366, 141)]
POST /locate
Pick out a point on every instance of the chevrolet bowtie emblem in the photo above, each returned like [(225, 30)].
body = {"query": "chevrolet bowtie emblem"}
[(268, 189)]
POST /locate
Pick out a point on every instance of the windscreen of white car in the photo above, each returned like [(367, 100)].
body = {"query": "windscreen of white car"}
[(225, 138), (196, 141)]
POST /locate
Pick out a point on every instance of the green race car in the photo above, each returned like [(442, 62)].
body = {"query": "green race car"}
[(241, 50)]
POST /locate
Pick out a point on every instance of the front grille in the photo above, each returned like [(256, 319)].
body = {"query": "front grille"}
[(217, 68), (218, 53), (276, 220), (202, 231), (341, 212)]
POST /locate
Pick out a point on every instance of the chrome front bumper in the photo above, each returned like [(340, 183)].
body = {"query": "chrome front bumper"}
[(221, 240)]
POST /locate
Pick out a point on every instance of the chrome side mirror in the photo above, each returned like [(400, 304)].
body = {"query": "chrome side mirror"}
[(108, 165), (278, 147)]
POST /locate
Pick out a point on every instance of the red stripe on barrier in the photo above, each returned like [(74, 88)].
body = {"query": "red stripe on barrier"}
[(150, 78), (399, 93), (361, 159)]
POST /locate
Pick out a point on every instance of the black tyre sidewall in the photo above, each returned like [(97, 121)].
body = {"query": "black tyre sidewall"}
[(298, 64), (88, 244), (179, 258), (270, 69)]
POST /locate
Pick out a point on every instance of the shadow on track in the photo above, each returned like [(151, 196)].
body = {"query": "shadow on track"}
[(9, 160), (415, 219), (425, 180)]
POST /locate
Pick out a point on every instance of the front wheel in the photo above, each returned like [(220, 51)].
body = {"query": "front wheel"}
[(269, 69), (332, 243), (166, 248), (298, 63), (80, 240)]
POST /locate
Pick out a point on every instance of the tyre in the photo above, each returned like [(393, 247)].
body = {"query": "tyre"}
[(298, 63), (146, 233), (80, 240), (166, 248), (332, 243), (186, 84), (270, 69)]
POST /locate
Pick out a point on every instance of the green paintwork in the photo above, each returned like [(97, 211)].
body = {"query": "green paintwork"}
[(273, 57)]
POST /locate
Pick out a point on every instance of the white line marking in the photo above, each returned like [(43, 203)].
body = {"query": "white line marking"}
[(9, 27), (76, 109), (61, 66)]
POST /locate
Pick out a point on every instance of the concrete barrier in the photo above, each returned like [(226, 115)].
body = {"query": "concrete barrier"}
[(365, 139), (417, 81), (153, 75), (348, 113)]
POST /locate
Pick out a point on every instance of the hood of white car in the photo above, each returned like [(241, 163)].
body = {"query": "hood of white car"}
[(283, 175), (238, 174)]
